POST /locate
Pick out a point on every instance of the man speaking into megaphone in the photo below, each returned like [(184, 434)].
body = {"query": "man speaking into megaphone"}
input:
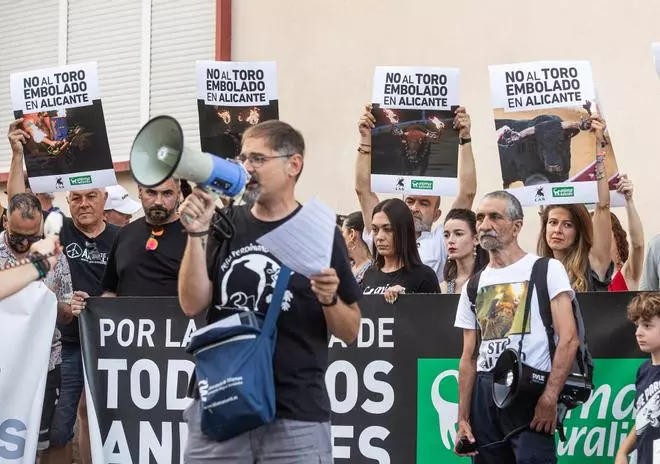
[(240, 274)]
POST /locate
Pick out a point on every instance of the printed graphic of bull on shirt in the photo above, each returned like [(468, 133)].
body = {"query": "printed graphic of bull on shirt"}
[(500, 310)]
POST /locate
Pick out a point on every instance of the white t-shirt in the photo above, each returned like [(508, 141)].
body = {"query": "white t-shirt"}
[(501, 306), (431, 247)]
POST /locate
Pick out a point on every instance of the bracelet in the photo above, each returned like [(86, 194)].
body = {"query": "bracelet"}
[(362, 151), (41, 263), (365, 145), (198, 234), (464, 140)]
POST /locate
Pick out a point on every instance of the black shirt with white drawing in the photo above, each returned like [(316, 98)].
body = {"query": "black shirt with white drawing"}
[(245, 279), (418, 279), (87, 259), (647, 413)]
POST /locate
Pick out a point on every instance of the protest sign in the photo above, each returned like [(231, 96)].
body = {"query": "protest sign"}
[(27, 322), (231, 97), (136, 378), (414, 145), (62, 113), (542, 114), (393, 393)]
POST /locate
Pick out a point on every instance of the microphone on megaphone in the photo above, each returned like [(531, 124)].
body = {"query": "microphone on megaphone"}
[(158, 153)]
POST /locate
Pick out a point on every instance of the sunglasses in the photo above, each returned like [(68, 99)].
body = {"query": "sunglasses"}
[(18, 239), (152, 241)]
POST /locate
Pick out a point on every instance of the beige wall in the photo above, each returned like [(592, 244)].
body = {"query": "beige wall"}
[(326, 51)]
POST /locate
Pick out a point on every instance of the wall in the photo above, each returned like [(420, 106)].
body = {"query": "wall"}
[(326, 51)]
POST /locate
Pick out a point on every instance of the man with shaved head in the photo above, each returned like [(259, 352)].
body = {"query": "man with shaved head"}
[(87, 240)]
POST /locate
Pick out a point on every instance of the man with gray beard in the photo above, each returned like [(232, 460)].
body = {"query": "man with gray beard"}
[(145, 258)]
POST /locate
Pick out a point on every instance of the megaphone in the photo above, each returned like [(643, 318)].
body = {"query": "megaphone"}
[(158, 153), (512, 377)]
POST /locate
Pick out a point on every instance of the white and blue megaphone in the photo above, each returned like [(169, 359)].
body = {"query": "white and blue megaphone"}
[(158, 153)]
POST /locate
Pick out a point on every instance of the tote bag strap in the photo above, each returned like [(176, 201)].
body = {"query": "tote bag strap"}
[(275, 306)]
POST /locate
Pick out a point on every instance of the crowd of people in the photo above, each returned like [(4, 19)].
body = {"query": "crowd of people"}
[(389, 247)]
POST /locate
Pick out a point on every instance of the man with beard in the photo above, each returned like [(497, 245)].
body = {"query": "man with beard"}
[(425, 208), (145, 258), (24, 228), (524, 430)]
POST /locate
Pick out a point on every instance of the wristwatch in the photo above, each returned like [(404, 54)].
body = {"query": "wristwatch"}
[(332, 302), (463, 141)]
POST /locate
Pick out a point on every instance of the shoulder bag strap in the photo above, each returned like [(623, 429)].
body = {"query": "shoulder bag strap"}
[(275, 305)]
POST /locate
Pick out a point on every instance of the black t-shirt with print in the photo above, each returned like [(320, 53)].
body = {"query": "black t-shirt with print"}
[(647, 410), (246, 274), (87, 259), (418, 279), (133, 270)]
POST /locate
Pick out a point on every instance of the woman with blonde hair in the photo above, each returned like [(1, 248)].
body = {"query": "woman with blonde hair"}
[(582, 242)]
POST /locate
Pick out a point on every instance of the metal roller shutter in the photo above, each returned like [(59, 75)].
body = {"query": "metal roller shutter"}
[(28, 41), (181, 33)]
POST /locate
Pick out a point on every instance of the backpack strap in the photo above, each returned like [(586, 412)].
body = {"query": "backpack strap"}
[(471, 289), (540, 279)]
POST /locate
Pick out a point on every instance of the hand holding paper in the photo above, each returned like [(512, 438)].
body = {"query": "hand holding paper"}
[(304, 242)]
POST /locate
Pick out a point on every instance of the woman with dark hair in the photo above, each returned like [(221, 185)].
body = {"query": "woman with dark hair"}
[(352, 229), (628, 258), (580, 242), (465, 255), (397, 267)]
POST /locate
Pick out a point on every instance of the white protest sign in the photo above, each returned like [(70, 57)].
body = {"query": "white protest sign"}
[(27, 322), (55, 88), (424, 88), (541, 84), (231, 83)]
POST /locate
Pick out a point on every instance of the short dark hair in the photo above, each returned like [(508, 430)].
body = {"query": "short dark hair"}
[(355, 221), (403, 227), (27, 203), (279, 136)]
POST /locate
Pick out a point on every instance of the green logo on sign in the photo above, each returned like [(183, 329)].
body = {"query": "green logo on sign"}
[(593, 431), (421, 184), (80, 180), (563, 192)]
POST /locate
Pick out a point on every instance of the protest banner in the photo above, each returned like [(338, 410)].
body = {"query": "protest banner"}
[(27, 322), (232, 97), (655, 47), (414, 145), (136, 378), (547, 153), (393, 393), (68, 147)]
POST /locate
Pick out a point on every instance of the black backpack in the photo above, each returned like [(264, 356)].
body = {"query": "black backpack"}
[(583, 363)]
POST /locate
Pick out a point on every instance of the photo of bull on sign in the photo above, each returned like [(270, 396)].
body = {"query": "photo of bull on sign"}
[(550, 145), (414, 142)]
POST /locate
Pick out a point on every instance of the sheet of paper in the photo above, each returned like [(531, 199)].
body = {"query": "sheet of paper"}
[(304, 242)]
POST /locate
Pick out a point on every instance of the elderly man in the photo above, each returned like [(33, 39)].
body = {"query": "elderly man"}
[(87, 240), (497, 314)]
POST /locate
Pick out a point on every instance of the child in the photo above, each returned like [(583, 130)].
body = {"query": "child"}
[(644, 311)]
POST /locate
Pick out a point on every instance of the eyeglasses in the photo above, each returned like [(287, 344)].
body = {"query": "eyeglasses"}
[(152, 241), (257, 160), (18, 239)]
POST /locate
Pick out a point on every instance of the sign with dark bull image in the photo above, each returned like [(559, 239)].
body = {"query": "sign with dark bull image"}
[(543, 113), (414, 145)]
